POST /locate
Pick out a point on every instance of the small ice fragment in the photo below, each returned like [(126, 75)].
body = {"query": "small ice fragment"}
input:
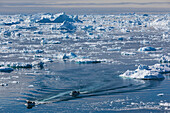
[(87, 61), (160, 94), (3, 84), (31, 86), (46, 60), (14, 82), (146, 49), (165, 104)]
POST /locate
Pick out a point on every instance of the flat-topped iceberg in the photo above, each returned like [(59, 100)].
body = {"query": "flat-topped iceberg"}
[(6, 69), (87, 61), (143, 74)]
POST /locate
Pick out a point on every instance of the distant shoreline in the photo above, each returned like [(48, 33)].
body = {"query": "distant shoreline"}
[(80, 11)]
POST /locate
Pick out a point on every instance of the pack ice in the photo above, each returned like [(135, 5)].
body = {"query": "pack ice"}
[(30, 40)]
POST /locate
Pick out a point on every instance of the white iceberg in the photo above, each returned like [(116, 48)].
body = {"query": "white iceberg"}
[(161, 68), (87, 61), (145, 72), (58, 18)]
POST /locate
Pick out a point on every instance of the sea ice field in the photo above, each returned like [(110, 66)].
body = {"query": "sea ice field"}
[(84, 63)]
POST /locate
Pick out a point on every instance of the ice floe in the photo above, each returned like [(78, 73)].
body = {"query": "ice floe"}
[(147, 49), (88, 61), (148, 72)]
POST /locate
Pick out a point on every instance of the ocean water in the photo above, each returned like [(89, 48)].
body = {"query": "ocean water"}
[(69, 52)]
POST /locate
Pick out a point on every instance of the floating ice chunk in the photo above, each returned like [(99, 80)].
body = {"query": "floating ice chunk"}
[(38, 64), (148, 72), (165, 104), (31, 86), (19, 65), (46, 60), (54, 42), (145, 42), (127, 53), (146, 49), (87, 61), (66, 56), (160, 94), (72, 55), (143, 74), (3, 84), (114, 49), (165, 59), (67, 26), (11, 23), (100, 28), (161, 68), (6, 69)]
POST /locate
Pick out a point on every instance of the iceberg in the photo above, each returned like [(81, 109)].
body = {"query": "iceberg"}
[(145, 72), (146, 49), (87, 61), (67, 26), (143, 75), (58, 18), (161, 68)]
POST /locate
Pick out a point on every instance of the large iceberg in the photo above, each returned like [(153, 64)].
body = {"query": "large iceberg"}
[(148, 72), (143, 74), (58, 18)]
